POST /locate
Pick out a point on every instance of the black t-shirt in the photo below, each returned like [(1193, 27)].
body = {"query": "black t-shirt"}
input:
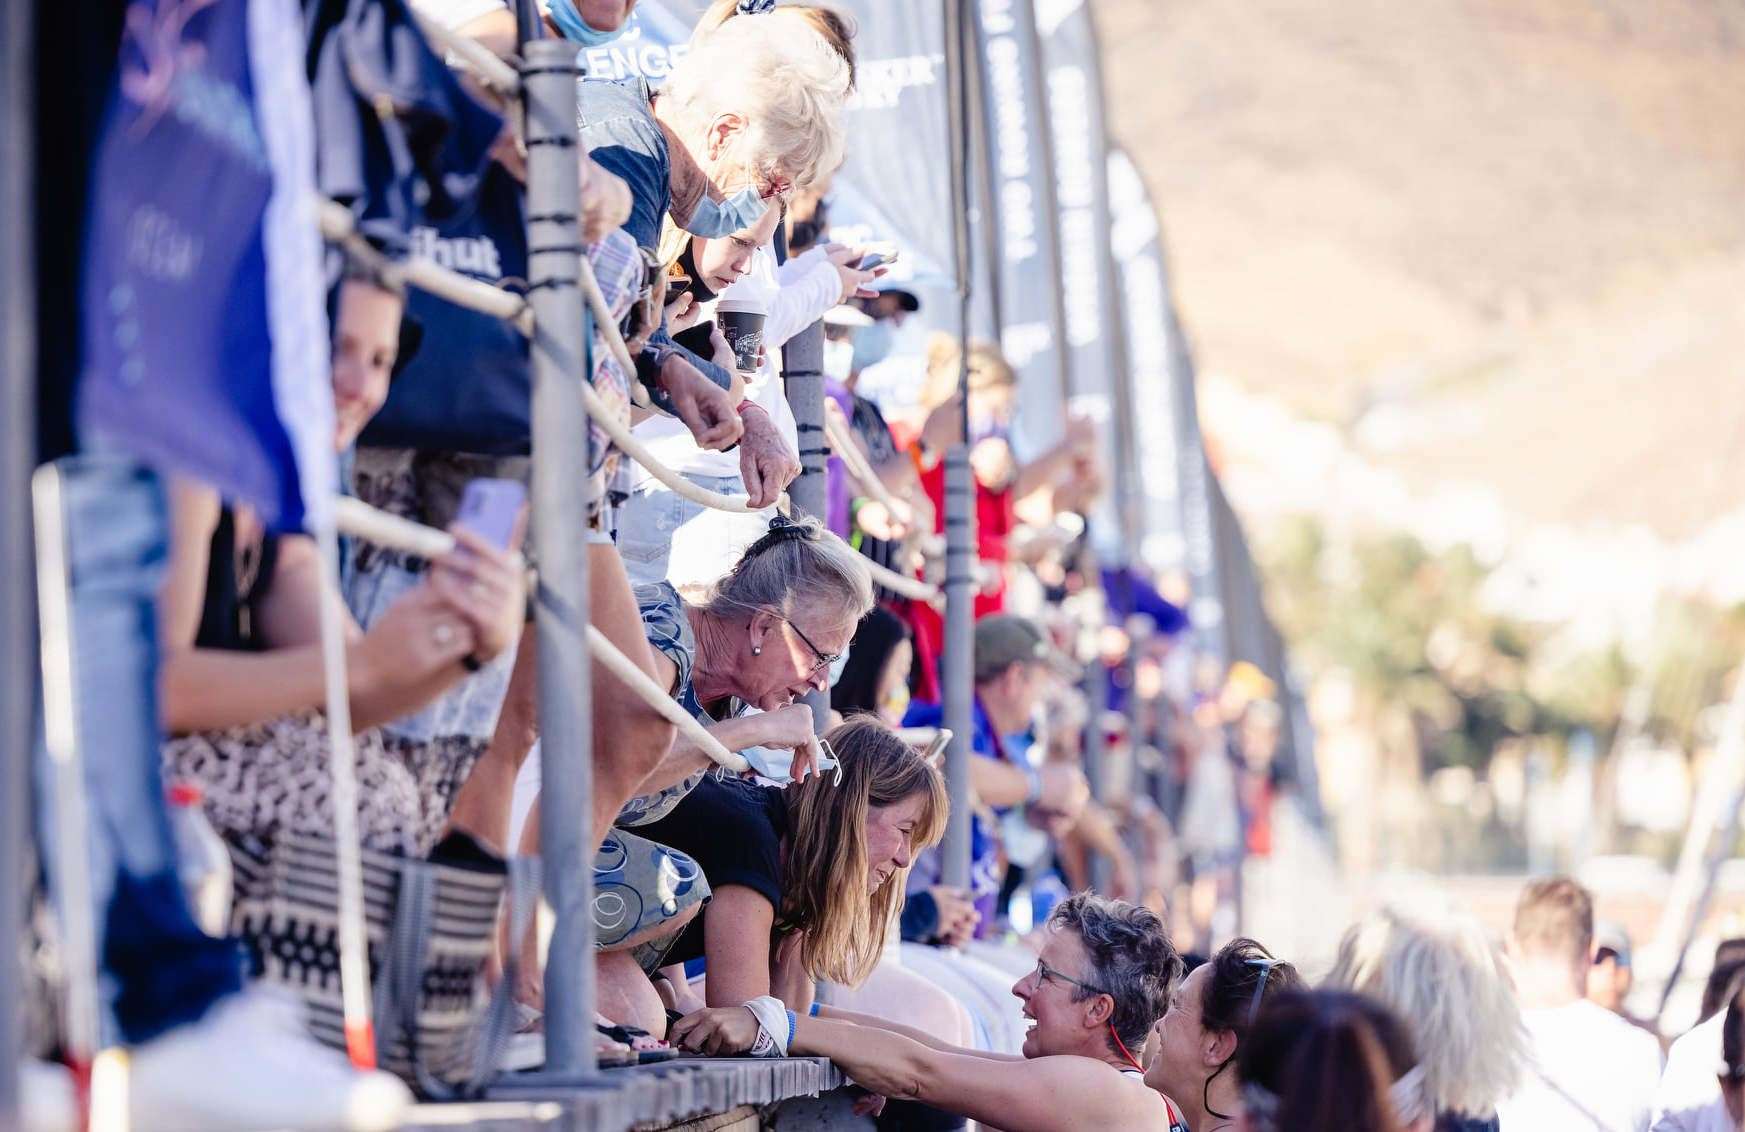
[(734, 831)]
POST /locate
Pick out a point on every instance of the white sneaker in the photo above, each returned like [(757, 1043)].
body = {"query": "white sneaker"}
[(250, 1065), (49, 1100)]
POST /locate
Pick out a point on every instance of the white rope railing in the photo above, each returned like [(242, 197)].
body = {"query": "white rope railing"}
[(337, 226), (836, 432), (903, 585), (627, 443), (844, 446), (358, 519), (475, 56), (604, 321)]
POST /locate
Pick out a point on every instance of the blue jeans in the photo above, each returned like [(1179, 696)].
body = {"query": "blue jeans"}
[(158, 968)]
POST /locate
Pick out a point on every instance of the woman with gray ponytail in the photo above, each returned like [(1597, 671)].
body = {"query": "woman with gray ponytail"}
[(739, 660)]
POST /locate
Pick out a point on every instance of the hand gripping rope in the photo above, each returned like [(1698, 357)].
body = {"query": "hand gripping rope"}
[(338, 228), (360, 520)]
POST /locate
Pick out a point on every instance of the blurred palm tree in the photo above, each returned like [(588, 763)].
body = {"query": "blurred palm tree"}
[(1440, 680)]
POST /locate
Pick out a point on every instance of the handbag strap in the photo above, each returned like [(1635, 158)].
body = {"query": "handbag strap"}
[(401, 978), (402, 969), (498, 1024)]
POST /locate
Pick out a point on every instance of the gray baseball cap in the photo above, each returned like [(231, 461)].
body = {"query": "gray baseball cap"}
[(1005, 639)]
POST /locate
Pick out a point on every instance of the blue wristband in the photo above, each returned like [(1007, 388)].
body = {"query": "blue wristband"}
[(813, 1012), (791, 1023)]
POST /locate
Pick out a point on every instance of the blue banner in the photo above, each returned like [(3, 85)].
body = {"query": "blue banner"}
[(205, 344)]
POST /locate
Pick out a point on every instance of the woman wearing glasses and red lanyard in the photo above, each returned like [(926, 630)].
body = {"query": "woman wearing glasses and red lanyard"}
[(1102, 979), (1208, 1019)]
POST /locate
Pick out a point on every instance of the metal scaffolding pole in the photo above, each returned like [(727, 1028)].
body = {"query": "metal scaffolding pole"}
[(560, 346), (803, 384), (18, 655), (958, 660)]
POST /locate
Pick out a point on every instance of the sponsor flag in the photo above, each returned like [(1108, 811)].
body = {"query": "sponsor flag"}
[(1015, 112), (1073, 80), (1150, 327), (205, 343)]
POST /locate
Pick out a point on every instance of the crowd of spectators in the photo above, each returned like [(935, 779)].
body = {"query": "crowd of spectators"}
[(805, 907)]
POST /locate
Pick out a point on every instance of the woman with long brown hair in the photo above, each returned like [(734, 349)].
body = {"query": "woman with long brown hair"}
[(807, 881), (1330, 1061)]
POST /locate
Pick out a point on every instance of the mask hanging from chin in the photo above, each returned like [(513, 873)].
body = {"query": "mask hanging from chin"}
[(712, 218), (577, 30)]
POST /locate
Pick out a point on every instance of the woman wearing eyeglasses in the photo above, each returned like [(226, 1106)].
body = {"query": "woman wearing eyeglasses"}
[(1101, 980), (1208, 1019), (739, 661)]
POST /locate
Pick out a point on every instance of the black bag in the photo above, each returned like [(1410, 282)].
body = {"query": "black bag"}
[(431, 927), (469, 387)]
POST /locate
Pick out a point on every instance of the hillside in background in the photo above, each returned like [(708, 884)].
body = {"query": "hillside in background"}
[(1498, 241)]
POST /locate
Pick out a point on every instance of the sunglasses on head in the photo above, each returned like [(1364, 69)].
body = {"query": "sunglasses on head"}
[(1266, 966)]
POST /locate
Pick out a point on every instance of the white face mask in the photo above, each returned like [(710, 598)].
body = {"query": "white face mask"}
[(777, 763), (838, 359)]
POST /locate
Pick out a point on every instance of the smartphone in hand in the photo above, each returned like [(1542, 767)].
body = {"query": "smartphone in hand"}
[(490, 508)]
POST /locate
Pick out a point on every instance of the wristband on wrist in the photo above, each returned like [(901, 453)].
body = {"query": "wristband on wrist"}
[(1033, 780), (792, 1021)]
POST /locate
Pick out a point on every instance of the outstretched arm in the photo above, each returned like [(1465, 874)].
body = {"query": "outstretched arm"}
[(837, 1014), (1044, 1094)]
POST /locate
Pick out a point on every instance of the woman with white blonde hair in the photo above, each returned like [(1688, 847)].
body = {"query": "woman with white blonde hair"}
[(749, 114), (1440, 971)]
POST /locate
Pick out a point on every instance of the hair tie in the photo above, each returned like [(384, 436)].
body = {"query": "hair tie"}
[(781, 529), (756, 7)]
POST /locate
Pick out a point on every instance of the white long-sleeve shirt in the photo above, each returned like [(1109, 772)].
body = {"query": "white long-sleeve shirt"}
[(796, 295)]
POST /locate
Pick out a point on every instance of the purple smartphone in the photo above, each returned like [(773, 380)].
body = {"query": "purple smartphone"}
[(489, 508)]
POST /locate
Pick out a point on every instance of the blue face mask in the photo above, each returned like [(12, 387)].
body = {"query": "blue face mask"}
[(712, 219), (872, 344), (577, 30)]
